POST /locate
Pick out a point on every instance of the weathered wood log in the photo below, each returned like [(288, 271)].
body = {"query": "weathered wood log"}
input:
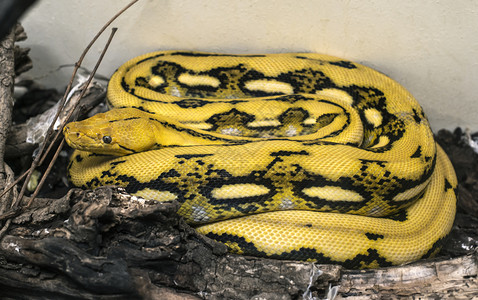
[(20, 142), (7, 79), (105, 244)]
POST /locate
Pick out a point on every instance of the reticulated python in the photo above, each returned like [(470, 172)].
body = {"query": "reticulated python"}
[(295, 156)]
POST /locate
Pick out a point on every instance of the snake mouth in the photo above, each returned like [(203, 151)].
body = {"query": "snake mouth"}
[(79, 140)]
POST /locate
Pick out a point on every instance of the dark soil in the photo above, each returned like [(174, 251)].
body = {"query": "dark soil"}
[(464, 235)]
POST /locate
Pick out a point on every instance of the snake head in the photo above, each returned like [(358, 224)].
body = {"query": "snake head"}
[(117, 132)]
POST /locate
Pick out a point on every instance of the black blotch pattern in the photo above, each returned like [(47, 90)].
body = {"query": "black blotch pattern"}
[(366, 259), (141, 108), (344, 64), (107, 174), (306, 80), (125, 86), (401, 216), (297, 114), (315, 203), (289, 153), (417, 116), (191, 103), (143, 81), (115, 163), (199, 54), (374, 236), (417, 153), (392, 125), (303, 253), (447, 185), (248, 247), (326, 119), (189, 156), (435, 247), (245, 205), (94, 182), (133, 185), (291, 98), (230, 117), (151, 57)]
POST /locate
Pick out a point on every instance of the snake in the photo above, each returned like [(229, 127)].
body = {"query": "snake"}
[(296, 156)]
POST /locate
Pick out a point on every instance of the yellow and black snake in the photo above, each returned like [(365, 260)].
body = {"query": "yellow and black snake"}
[(296, 156)]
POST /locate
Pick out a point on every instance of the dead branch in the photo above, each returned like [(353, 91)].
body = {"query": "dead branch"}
[(105, 244), (7, 75), (7, 79), (18, 143)]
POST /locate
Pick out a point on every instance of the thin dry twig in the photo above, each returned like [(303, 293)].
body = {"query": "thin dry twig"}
[(36, 161), (45, 174), (42, 153), (83, 91), (90, 78), (14, 183)]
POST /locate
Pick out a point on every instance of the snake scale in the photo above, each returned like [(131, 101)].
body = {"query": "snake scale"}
[(295, 156)]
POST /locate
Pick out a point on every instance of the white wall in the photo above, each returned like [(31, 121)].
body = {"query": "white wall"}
[(431, 47)]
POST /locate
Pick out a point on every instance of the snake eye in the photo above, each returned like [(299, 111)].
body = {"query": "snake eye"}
[(107, 139)]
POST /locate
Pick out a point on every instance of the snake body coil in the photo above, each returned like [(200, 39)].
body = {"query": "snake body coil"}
[(295, 156)]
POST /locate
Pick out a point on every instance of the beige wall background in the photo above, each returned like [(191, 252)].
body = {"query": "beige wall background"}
[(430, 47)]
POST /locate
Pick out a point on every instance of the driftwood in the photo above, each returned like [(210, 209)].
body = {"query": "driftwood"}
[(18, 143), (7, 77), (104, 244)]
